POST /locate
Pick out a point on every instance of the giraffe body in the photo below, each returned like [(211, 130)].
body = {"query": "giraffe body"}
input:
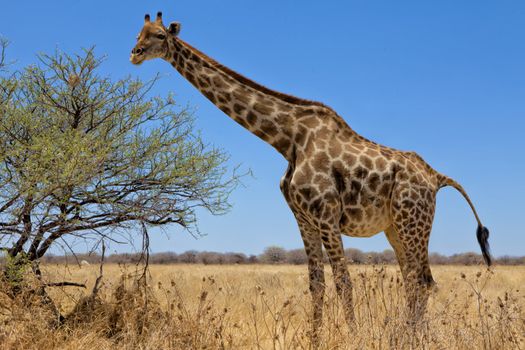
[(337, 182)]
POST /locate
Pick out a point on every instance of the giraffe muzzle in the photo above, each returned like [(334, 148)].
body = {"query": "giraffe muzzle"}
[(137, 55)]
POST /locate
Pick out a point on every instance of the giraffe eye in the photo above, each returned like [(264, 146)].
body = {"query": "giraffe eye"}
[(161, 36)]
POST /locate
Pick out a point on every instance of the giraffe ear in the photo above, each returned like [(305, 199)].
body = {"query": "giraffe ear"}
[(174, 28)]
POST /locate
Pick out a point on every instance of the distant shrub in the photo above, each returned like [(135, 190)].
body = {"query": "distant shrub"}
[(235, 258), (296, 257), (466, 259), (355, 256), (188, 257), (273, 255), (253, 259), (164, 258)]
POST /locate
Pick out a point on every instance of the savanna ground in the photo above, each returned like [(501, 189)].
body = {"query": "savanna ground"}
[(265, 307)]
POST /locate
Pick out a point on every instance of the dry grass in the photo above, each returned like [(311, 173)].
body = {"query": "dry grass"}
[(266, 307)]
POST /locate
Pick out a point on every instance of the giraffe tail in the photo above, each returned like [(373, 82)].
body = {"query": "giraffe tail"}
[(482, 232)]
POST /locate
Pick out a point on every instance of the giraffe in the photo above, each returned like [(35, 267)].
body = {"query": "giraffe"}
[(337, 182)]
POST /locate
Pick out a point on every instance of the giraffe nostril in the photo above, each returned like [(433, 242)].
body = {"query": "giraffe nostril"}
[(137, 51)]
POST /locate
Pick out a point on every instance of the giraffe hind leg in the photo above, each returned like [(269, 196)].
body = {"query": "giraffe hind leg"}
[(394, 241), (412, 215)]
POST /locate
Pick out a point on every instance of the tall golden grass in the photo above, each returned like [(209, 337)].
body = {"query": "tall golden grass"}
[(265, 307)]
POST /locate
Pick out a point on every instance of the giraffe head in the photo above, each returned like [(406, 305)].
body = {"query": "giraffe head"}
[(152, 41)]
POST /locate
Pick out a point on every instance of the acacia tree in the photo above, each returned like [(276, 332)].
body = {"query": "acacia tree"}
[(84, 156)]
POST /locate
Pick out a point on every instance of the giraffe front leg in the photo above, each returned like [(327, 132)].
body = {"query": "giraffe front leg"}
[(317, 289), (313, 248), (343, 284)]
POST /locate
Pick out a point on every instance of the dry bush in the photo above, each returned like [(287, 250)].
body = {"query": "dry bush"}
[(273, 255), (129, 316), (267, 307), (296, 257)]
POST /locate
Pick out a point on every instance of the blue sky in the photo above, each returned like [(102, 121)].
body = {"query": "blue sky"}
[(445, 79)]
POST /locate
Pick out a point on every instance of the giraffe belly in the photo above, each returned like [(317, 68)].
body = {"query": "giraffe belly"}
[(365, 221)]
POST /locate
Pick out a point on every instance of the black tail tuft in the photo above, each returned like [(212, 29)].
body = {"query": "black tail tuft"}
[(483, 240)]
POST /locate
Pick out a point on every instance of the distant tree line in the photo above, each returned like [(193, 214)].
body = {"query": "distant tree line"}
[(274, 255)]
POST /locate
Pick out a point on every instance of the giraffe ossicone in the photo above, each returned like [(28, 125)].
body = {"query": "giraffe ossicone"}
[(337, 182)]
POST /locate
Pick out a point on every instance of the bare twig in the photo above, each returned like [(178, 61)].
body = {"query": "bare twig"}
[(144, 256), (97, 285), (3, 45)]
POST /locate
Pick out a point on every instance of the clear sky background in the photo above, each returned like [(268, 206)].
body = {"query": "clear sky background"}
[(444, 78)]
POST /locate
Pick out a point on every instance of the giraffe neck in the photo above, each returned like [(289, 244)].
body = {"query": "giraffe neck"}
[(270, 115)]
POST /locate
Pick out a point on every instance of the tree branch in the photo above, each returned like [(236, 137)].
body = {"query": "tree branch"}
[(65, 284)]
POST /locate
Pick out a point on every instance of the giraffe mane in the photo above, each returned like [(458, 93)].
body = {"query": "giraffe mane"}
[(244, 80)]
